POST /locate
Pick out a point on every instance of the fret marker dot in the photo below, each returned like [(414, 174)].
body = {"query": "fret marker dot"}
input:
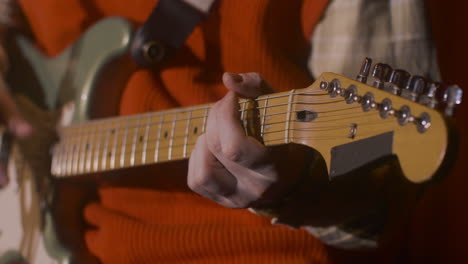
[(195, 130), (109, 154), (166, 134), (141, 139), (113, 131), (87, 146)]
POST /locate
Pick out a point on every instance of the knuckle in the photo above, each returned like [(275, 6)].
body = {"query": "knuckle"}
[(197, 182), (232, 152)]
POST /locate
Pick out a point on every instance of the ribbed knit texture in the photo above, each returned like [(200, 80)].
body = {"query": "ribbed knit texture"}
[(151, 219)]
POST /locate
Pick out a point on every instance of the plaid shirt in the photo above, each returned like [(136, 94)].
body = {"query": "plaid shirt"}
[(389, 31)]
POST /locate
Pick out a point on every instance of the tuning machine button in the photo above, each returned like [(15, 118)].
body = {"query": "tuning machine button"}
[(351, 94), (453, 96), (428, 98), (423, 122), (398, 79), (334, 88), (381, 74), (414, 87), (323, 85), (368, 102), (404, 115), (365, 70), (386, 108)]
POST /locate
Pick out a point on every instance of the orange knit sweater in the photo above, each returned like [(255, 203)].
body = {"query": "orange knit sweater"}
[(150, 216)]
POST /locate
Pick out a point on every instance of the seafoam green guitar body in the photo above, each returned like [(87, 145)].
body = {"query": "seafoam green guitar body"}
[(72, 76)]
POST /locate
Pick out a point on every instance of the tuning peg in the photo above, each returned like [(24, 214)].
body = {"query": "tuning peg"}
[(365, 69), (398, 79), (381, 74), (428, 98), (452, 97), (414, 87)]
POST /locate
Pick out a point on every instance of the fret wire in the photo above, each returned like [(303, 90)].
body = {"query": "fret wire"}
[(124, 142), (329, 101), (54, 168), (204, 121), (145, 144), (132, 158), (96, 152), (290, 100), (262, 125), (345, 107), (76, 152), (187, 134), (113, 119), (158, 140), (322, 130), (283, 113), (68, 156), (59, 157), (106, 146), (89, 151), (169, 153), (114, 147), (316, 129), (310, 92), (316, 137), (206, 107)]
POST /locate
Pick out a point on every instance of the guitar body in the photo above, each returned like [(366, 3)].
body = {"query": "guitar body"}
[(27, 230)]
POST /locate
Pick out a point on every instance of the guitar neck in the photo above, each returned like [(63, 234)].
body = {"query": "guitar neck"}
[(150, 138)]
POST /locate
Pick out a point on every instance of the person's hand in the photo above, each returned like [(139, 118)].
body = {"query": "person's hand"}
[(14, 124), (233, 169)]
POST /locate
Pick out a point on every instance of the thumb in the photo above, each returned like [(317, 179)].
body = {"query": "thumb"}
[(249, 85)]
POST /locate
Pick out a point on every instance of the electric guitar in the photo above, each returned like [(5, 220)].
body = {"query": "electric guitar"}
[(348, 122)]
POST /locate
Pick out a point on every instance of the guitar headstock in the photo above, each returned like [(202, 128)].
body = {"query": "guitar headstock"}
[(352, 123)]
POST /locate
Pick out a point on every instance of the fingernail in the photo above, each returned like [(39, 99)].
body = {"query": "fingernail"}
[(237, 78)]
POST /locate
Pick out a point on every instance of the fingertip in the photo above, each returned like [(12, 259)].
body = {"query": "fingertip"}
[(20, 128), (24, 130), (230, 77), (249, 85)]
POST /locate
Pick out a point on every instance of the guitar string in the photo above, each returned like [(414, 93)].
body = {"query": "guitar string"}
[(192, 109), (73, 140), (106, 166), (167, 121), (162, 121), (87, 157), (73, 167)]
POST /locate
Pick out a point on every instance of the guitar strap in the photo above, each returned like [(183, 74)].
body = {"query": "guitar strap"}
[(166, 29)]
